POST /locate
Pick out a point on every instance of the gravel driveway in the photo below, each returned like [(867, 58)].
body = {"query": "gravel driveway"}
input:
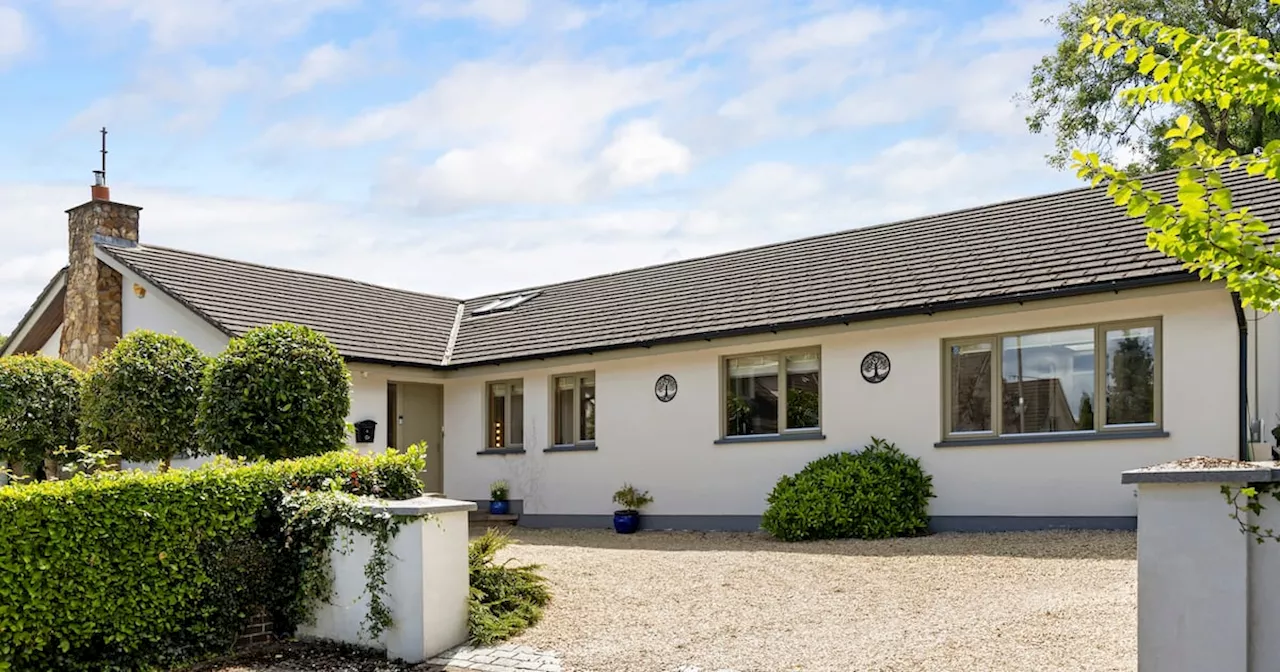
[(659, 601)]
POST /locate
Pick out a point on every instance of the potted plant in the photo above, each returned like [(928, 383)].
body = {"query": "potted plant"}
[(498, 504), (627, 519)]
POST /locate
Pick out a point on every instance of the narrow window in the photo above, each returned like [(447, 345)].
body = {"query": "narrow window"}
[(773, 393), (1047, 382), (575, 409), (970, 388), (1131, 376), (506, 414)]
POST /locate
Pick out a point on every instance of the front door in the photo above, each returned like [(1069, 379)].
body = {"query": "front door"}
[(420, 409)]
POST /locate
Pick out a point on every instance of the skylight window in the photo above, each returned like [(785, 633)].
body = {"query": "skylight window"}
[(503, 303)]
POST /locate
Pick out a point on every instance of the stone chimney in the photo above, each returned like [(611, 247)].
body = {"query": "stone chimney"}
[(93, 309)]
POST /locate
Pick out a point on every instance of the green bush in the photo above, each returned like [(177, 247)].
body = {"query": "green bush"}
[(39, 402), (140, 398), (279, 392), (878, 493), (506, 599), (132, 570)]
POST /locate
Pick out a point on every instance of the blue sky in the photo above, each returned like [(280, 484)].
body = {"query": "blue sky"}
[(465, 146)]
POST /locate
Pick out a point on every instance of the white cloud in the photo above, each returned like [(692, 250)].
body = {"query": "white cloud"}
[(331, 63), (640, 153), (1025, 20), (178, 25), (504, 13), (843, 30), (15, 35), (188, 93)]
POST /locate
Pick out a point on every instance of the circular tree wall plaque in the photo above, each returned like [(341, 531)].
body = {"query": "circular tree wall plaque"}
[(665, 388), (875, 367)]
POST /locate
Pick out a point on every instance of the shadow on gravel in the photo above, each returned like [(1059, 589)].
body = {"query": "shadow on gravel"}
[(1056, 544)]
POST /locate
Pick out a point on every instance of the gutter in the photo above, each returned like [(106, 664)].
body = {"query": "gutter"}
[(1243, 323)]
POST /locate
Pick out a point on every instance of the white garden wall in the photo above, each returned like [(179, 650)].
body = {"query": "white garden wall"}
[(670, 448), (427, 583)]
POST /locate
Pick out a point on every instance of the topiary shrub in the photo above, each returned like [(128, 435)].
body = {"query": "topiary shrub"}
[(137, 570), (39, 402), (140, 398), (878, 493), (278, 392)]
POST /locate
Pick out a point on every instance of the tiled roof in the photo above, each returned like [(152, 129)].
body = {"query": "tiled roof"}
[(1071, 242), (1074, 242), (364, 321)]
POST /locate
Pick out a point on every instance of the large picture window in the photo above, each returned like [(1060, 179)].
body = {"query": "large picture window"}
[(506, 414), (575, 410), (772, 393), (1083, 379)]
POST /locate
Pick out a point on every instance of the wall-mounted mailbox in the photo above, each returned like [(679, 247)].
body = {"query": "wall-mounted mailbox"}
[(365, 430)]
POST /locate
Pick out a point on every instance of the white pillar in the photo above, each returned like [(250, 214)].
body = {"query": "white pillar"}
[(1193, 567), (427, 583)]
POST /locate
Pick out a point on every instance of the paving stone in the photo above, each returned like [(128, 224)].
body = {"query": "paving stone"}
[(482, 658), (527, 665)]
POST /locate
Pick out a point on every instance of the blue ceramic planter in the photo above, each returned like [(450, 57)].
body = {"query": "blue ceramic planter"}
[(499, 507), (626, 522)]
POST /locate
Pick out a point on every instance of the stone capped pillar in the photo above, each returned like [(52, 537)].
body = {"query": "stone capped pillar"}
[(93, 310)]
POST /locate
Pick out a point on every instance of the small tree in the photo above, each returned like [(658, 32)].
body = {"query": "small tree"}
[(279, 392), (39, 402), (140, 398)]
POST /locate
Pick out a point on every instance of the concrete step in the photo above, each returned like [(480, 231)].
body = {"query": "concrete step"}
[(493, 520)]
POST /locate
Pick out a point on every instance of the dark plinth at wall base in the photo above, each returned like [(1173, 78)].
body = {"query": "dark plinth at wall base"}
[(752, 523), (1030, 523), (691, 523), (501, 451), (482, 506)]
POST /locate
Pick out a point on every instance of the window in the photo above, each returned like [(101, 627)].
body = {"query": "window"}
[(503, 303), (506, 414), (575, 409), (772, 393), (1048, 382)]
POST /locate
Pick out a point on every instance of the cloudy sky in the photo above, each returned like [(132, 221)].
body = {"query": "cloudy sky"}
[(465, 146)]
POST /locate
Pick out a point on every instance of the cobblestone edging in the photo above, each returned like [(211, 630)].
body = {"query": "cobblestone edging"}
[(504, 658)]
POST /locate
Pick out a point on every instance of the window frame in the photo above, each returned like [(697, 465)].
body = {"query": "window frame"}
[(488, 414), (783, 430), (1100, 425), (577, 377)]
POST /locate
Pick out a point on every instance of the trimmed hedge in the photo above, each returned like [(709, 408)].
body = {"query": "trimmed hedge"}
[(129, 570), (878, 493), (39, 402), (140, 398), (278, 392)]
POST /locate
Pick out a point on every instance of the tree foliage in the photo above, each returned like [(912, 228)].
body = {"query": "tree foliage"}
[(140, 398), (39, 403), (1228, 72), (1077, 96), (278, 392)]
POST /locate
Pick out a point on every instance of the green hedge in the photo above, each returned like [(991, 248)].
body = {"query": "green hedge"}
[(126, 571), (140, 397), (39, 402), (877, 493), (278, 392)]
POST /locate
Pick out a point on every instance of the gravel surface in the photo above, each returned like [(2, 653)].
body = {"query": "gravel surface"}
[(660, 601)]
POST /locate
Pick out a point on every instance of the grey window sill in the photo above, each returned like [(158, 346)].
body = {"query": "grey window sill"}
[(1053, 438), (772, 438), (501, 451), (577, 448)]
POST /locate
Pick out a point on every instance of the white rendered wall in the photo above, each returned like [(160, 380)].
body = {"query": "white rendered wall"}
[(427, 585), (51, 347), (669, 448)]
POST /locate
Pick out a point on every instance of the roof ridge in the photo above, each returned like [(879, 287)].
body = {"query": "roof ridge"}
[(815, 237), (453, 335), (313, 274)]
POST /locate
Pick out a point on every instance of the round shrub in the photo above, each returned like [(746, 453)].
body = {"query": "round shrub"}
[(278, 392), (140, 398), (878, 493), (39, 402)]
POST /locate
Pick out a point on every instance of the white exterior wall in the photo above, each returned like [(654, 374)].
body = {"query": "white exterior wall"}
[(669, 448), (52, 347), (1264, 372)]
